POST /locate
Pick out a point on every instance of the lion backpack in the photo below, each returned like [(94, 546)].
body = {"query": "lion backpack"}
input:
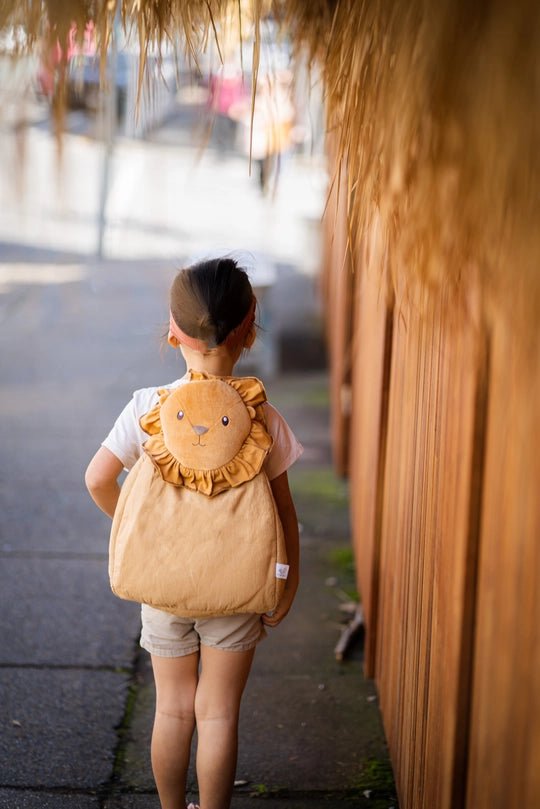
[(196, 530)]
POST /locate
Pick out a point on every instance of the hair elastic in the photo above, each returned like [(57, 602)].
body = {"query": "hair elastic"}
[(233, 339)]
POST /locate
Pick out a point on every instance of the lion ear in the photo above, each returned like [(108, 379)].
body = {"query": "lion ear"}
[(250, 389), (151, 421), (251, 411)]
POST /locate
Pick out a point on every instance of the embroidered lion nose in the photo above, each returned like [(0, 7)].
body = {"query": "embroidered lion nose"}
[(200, 429)]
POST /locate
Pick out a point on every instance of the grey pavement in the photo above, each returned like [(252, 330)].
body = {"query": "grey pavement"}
[(76, 695)]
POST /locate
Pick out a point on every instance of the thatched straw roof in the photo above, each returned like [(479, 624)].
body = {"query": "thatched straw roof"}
[(434, 107)]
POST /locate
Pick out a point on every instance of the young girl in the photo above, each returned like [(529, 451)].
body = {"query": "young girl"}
[(201, 665)]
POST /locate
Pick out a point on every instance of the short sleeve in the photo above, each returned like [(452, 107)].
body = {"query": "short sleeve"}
[(126, 438), (286, 448)]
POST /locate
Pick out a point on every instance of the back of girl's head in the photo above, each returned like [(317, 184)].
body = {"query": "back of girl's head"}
[(210, 299)]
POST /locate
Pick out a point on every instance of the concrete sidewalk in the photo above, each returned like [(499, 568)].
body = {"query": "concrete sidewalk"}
[(77, 699)]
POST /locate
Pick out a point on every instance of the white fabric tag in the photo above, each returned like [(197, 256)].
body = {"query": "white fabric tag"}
[(282, 571)]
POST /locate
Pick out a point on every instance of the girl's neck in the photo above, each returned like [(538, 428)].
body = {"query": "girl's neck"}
[(217, 362)]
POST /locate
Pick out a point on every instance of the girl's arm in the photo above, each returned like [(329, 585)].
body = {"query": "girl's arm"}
[(101, 479), (289, 521)]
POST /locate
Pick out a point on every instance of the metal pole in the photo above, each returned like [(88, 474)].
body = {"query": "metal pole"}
[(108, 114)]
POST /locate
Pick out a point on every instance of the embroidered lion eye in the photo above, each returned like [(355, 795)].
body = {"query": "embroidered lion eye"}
[(225, 420), (180, 414)]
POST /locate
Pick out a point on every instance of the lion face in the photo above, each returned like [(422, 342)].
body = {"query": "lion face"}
[(205, 423), (210, 433)]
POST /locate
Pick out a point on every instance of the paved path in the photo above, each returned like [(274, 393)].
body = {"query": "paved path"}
[(76, 696), (76, 337)]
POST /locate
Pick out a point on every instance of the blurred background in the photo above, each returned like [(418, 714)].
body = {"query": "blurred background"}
[(168, 169)]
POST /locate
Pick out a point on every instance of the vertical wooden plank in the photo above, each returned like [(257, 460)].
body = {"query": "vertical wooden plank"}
[(504, 762), (428, 459), (448, 617), (410, 563), (425, 593), (371, 359), (470, 505), (391, 641), (338, 293)]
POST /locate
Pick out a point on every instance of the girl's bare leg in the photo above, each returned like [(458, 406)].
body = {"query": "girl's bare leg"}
[(217, 707), (174, 723)]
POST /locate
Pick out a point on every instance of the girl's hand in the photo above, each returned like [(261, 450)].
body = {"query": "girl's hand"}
[(289, 522)]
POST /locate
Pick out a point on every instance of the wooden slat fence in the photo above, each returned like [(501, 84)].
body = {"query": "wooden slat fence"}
[(444, 467), (504, 760)]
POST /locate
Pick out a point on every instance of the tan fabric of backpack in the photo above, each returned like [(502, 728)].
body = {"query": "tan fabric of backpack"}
[(196, 530)]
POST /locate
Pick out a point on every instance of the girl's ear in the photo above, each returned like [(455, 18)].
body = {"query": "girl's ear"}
[(249, 339), (172, 340)]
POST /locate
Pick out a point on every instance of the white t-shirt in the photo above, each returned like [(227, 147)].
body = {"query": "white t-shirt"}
[(126, 438)]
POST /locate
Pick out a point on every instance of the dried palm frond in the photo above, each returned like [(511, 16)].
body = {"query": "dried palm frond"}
[(52, 24), (433, 109), (435, 112)]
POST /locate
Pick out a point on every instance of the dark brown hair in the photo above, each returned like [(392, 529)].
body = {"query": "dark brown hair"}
[(210, 299)]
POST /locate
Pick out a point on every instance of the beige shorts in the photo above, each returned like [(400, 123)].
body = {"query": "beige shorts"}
[(166, 635)]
